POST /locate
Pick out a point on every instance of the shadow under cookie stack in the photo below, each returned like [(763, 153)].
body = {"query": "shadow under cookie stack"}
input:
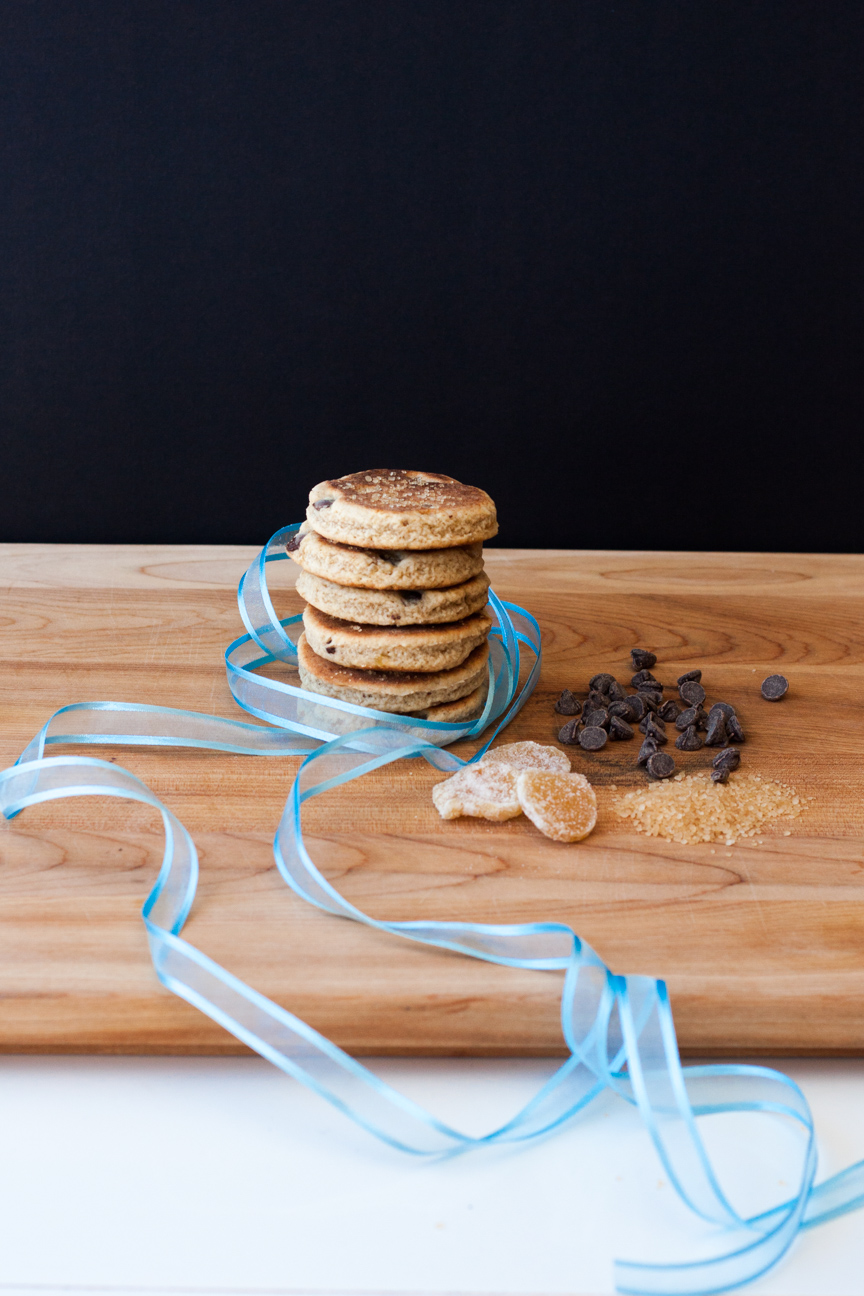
[(392, 574)]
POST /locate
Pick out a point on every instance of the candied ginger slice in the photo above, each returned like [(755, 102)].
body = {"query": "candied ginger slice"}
[(483, 791), (563, 806), (529, 755)]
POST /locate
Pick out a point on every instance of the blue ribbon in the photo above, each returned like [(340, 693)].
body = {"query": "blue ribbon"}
[(618, 1029)]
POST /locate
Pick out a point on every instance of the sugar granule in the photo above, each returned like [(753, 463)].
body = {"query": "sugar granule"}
[(690, 808)]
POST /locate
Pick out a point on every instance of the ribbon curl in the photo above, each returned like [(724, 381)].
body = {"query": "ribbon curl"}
[(618, 1029)]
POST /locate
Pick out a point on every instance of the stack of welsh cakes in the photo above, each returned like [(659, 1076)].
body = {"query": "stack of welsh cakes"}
[(392, 574)]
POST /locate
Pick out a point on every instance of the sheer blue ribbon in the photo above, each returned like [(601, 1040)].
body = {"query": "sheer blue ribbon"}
[(618, 1029)]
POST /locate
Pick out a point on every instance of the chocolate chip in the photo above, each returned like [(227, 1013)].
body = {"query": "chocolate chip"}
[(596, 700), (654, 728), (641, 658), (625, 710), (653, 700), (774, 687), (692, 693), (569, 734), (670, 711), (597, 719), (391, 556), (412, 596), (331, 650), (292, 545), (694, 675), (648, 748), (319, 504), (729, 759), (593, 738), (642, 677), (733, 729), (720, 776), (568, 704), (687, 718), (660, 765), (619, 730), (689, 740), (638, 706), (716, 735), (724, 707), (616, 692), (601, 682)]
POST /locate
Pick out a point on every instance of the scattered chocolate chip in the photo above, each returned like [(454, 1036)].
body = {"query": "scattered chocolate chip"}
[(292, 545), (774, 687), (720, 776), (619, 730), (653, 701), (592, 738), (642, 677), (616, 692), (319, 504), (331, 650), (716, 734), (654, 728), (596, 719), (569, 734), (729, 759), (689, 740), (670, 711), (625, 710), (638, 706), (694, 715), (412, 596), (648, 748), (694, 675), (733, 728), (692, 693), (660, 765), (595, 701), (568, 704), (641, 658), (601, 682), (725, 707)]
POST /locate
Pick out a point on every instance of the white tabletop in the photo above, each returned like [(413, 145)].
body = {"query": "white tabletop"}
[(210, 1175)]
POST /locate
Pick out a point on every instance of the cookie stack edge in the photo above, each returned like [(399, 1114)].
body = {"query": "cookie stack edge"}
[(402, 629)]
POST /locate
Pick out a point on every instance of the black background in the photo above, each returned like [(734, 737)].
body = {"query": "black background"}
[(603, 259)]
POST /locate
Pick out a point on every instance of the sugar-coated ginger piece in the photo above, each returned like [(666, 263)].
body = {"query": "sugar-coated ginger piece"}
[(529, 755), (563, 806), (486, 790)]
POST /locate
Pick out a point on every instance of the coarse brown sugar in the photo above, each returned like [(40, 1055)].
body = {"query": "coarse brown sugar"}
[(690, 808)]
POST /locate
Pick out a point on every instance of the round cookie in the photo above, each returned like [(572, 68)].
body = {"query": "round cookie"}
[(394, 648), (394, 607), (401, 509), (467, 708), (405, 693), (407, 569)]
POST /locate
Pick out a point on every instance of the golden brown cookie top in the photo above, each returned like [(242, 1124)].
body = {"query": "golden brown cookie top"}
[(401, 490), (398, 507)]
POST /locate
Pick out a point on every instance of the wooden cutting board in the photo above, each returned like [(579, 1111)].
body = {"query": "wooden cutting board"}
[(762, 943)]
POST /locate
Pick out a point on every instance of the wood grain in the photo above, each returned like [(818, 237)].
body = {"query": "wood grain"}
[(761, 943)]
